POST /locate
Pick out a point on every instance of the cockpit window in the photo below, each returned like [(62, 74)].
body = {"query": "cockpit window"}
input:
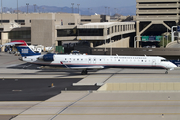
[(164, 60)]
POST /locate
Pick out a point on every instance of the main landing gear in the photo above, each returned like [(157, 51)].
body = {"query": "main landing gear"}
[(166, 71), (84, 72)]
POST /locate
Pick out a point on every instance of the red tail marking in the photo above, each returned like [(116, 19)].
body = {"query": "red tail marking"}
[(21, 41)]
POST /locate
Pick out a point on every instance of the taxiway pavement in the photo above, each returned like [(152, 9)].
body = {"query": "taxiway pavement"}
[(78, 97)]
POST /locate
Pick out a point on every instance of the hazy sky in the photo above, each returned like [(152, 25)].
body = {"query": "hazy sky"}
[(62, 3)]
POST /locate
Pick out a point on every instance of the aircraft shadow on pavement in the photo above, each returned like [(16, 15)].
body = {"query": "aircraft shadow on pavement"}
[(28, 66), (77, 72)]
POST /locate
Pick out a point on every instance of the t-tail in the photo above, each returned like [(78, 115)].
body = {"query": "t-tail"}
[(23, 48)]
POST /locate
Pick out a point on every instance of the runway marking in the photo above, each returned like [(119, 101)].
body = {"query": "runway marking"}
[(99, 114), (142, 77), (17, 90), (121, 101), (71, 104), (95, 101), (93, 106)]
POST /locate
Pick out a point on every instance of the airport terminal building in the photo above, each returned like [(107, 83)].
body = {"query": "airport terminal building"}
[(54, 28), (155, 17)]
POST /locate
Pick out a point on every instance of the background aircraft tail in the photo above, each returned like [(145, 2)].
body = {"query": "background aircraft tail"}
[(23, 48)]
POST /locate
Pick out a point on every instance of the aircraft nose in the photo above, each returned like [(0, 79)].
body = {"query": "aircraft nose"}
[(173, 65)]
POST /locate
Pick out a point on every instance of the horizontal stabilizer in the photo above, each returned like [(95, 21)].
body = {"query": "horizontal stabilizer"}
[(13, 43)]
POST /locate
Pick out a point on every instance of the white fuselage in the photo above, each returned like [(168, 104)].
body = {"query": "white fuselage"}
[(101, 61)]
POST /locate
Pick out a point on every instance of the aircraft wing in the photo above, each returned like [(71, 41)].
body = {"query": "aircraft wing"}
[(91, 67)]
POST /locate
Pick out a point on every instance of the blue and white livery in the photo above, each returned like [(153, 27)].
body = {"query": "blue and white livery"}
[(88, 62)]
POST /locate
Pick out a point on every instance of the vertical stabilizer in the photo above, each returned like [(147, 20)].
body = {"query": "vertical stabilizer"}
[(23, 48)]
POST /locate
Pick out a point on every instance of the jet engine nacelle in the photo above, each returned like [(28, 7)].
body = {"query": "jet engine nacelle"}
[(47, 57)]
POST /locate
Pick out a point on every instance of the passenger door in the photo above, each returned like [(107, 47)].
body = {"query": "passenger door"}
[(153, 62)]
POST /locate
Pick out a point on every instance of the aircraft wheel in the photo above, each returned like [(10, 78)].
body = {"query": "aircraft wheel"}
[(84, 72)]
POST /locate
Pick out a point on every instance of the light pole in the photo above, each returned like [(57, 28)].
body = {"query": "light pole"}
[(38, 9), (78, 7), (17, 13), (167, 35), (88, 10), (176, 37), (105, 10), (109, 11), (27, 6), (111, 46), (10, 10), (34, 7), (1, 12), (115, 10), (136, 41), (72, 7), (172, 33)]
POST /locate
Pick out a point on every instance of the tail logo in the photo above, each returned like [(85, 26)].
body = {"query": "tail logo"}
[(25, 51)]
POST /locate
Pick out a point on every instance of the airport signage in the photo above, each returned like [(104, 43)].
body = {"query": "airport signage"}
[(158, 38), (178, 28), (145, 38), (152, 38)]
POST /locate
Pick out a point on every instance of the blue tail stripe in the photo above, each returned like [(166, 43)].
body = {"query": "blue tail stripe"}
[(26, 51)]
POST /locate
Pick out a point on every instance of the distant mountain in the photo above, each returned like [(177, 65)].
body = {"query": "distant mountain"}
[(126, 10)]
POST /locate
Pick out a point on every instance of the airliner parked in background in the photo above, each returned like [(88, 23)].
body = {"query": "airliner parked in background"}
[(88, 62)]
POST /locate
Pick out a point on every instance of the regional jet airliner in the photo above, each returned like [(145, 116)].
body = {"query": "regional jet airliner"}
[(88, 62)]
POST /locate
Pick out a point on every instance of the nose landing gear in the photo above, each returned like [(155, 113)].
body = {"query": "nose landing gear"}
[(166, 71)]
